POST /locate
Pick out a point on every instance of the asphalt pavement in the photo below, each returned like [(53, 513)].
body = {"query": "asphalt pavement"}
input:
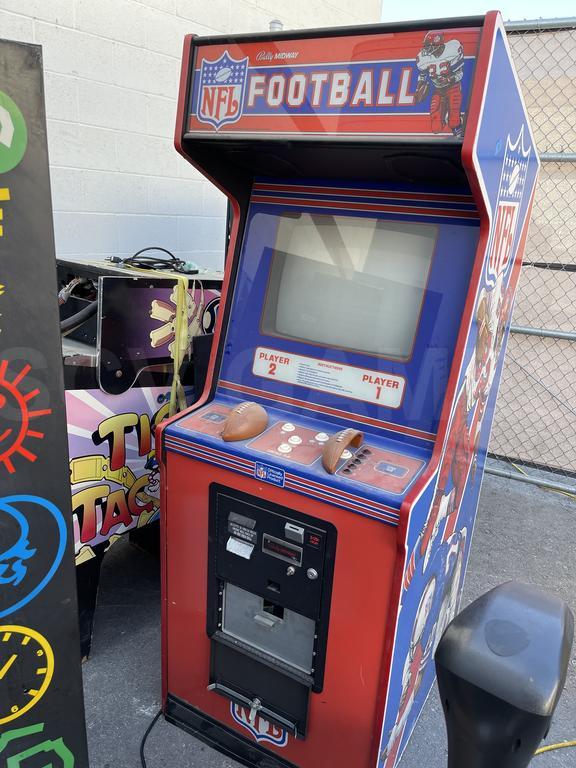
[(522, 533)]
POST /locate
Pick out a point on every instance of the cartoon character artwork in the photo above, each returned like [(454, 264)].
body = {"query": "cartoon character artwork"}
[(113, 467), (440, 66), (152, 490), (201, 311), (419, 652)]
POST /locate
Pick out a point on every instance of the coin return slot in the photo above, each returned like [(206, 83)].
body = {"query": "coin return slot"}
[(272, 609), (273, 586)]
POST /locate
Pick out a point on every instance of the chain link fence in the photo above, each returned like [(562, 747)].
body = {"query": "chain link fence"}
[(535, 422)]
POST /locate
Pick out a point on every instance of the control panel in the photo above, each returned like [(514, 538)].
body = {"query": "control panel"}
[(294, 442), (270, 583), (346, 453), (209, 420), (379, 468)]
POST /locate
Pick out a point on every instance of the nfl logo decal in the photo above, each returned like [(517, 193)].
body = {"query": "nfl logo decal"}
[(261, 729), (510, 194), (221, 94)]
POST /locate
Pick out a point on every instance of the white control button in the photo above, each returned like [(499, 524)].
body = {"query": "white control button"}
[(295, 440), (322, 437), (346, 454), (285, 448), (288, 427)]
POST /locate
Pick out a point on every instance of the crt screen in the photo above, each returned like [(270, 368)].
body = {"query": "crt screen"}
[(348, 282)]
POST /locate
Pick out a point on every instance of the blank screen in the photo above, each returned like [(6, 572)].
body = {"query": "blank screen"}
[(348, 282)]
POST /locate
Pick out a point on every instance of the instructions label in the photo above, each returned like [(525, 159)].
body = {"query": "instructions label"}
[(325, 376)]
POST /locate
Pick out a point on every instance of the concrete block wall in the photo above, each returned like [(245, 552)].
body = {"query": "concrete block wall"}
[(111, 76)]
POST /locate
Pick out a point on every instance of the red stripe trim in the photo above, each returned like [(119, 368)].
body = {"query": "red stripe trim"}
[(362, 192), (376, 124), (191, 451), (362, 511), (347, 415), (344, 494), (249, 465), (220, 454), (383, 47), (372, 207), (200, 453)]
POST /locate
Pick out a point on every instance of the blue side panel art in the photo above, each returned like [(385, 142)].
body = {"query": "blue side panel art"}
[(442, 519)]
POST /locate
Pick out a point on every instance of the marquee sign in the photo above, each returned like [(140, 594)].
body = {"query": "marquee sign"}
[(401, 83)]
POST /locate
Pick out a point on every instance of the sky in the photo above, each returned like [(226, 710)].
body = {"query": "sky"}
[(511, 9)]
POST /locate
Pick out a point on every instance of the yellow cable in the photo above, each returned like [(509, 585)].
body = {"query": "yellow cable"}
[(177, 395), (553, 490), (552, 747)]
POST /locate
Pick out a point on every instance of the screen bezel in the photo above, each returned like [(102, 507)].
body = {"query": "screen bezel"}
[(318, 344)]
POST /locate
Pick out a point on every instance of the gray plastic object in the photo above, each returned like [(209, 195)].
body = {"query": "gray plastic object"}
[(501, 667)]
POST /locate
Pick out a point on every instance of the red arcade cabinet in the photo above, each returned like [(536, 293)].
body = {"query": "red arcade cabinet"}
[(319, 499)]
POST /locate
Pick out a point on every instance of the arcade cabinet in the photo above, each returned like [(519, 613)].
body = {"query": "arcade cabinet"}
[(118, 327), (318, 501)]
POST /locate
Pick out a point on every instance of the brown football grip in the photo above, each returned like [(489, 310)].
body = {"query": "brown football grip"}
[(337, 444), (244, 421)]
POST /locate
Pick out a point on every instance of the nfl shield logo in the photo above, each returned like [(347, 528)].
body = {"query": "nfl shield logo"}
[(262, 730), (221, 92), (510, 194)]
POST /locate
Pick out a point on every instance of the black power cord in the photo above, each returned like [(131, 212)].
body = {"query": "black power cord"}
[(145, 737), (75, 321), (155, 262)]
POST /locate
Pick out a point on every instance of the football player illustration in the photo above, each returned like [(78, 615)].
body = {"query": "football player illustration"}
[(440, 66), (421, 647), (458, 463), (453, 571), (455, 465)]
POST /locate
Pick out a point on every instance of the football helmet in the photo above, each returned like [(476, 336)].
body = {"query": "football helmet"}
[(433, 42)]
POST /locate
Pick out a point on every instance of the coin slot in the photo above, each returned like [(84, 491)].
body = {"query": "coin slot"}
[(273, 586)]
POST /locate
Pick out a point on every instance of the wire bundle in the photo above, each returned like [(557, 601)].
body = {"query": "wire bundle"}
[(139, 261)]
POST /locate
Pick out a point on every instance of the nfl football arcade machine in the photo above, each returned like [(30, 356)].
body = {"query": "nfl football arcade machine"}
[(319, 500)]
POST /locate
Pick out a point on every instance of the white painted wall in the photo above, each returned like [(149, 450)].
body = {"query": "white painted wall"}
[(111, 74)]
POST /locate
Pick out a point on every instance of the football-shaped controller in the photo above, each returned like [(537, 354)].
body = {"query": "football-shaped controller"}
[(244, 421), (337, 444)]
